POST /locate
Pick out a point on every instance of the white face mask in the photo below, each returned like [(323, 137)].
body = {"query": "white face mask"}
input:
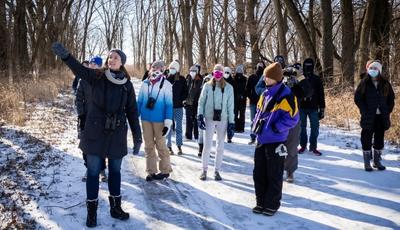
[(155, 74), (373, 73), (192, 74), (226, 75), (172, 71)]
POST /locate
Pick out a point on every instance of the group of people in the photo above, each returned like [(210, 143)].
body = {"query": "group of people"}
[(282, 98)]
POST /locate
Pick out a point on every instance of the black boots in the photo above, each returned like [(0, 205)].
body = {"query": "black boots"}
[(115, 208), (180, 150), (91, 219), (367, 154), (377, 160), (200, 150)]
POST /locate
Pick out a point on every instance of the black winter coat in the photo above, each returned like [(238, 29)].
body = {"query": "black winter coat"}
[(369, 98), (108, 100), (194, 87), (232, 82), (179, 90), (83, 97), (251, 87), (317, 99), (240, 82)]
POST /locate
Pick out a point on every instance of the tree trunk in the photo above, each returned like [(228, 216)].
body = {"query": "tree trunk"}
[(311, 21), (348, 61), (253, 31), (240, 55), (327, 45), (4, 36), (203, 34), (88, 18), (21, 37), (303, 33), (226, 32), (363, 51), (282, 49)]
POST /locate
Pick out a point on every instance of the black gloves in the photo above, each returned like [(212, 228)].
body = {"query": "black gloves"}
[(59, 50)]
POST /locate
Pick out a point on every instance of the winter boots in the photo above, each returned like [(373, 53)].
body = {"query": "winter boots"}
[(115, 208), (217, 176), (180, 150), (203, 176), (377, 160), (289, 177), (200, 150), (171, 152), (91, 219), (367, 154)]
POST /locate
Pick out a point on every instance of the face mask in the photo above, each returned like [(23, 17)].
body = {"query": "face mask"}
[(192, 74), (172, 71), (218, 75), (226, 75), (156, 74), (373, 73)]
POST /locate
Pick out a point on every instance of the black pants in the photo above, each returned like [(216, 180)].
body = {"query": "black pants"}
[(267, 176), (377, 133), (240, 110), (103, 166), (191, 122)]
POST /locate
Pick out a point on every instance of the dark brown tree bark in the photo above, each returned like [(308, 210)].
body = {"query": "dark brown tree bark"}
[(21, 37), (240, 41), (4, 36), (327, 39), (87, 20), (253, 25), (363, 52), (281, 27), (348, 60)]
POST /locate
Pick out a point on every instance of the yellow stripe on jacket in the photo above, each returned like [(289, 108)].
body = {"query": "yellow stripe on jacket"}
[(288, 104)]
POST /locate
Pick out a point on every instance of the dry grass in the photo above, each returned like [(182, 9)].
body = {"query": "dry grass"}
[(342, 112), (15, 97)]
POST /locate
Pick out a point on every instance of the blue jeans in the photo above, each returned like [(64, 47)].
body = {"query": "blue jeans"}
[(252, 115), (94, 165), (314, 124), (178, 117)]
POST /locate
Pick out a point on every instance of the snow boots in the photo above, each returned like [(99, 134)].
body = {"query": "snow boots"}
[(377, 160), (367, 154), (171, 152), (180, 150), (217, 176), (115, 208), (91, 219), (200, 150), (203, 175)]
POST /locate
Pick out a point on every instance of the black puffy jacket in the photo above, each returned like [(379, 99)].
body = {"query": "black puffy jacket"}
[(240, 82), (108, 100), (251, 86), (369, 98), (179, 89), (194, 89)]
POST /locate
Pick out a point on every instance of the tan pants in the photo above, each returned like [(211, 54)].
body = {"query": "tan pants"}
[(152, 133)]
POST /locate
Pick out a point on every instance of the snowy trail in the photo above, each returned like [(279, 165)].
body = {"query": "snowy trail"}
[(330, 192)]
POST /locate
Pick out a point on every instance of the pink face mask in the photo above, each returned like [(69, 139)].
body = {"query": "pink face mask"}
[(218, 75)]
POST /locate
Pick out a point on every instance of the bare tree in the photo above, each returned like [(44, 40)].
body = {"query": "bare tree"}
[(282, 49), (348, 46), (327, 38)]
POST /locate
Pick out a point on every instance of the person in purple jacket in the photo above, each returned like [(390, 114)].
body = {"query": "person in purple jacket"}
[(277, 113)]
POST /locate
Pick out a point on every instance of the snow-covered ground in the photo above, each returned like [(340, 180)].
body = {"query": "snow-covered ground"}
[(41, 169)]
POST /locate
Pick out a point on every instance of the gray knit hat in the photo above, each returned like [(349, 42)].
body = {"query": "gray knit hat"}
[(240, 69), (158, 64), (121, 54)]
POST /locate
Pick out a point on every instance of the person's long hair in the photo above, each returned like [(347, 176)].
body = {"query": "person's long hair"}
[(213, 82), (102, 70)]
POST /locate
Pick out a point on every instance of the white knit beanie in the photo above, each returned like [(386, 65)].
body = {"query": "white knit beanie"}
[(376, 65), (175, 64)]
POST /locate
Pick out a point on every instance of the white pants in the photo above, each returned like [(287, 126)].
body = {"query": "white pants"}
[(211, 127)]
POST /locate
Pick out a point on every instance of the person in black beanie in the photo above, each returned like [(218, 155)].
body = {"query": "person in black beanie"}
[(253, 96), (240, 99), (311, 107), (374, 97), (113, 104)]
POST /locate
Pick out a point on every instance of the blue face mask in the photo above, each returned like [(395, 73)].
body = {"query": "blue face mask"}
[(172, 71), (373, 73)]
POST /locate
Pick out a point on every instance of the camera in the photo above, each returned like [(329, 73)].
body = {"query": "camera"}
[(111, 122), (257, 128), (217, 115), (150, 103)]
